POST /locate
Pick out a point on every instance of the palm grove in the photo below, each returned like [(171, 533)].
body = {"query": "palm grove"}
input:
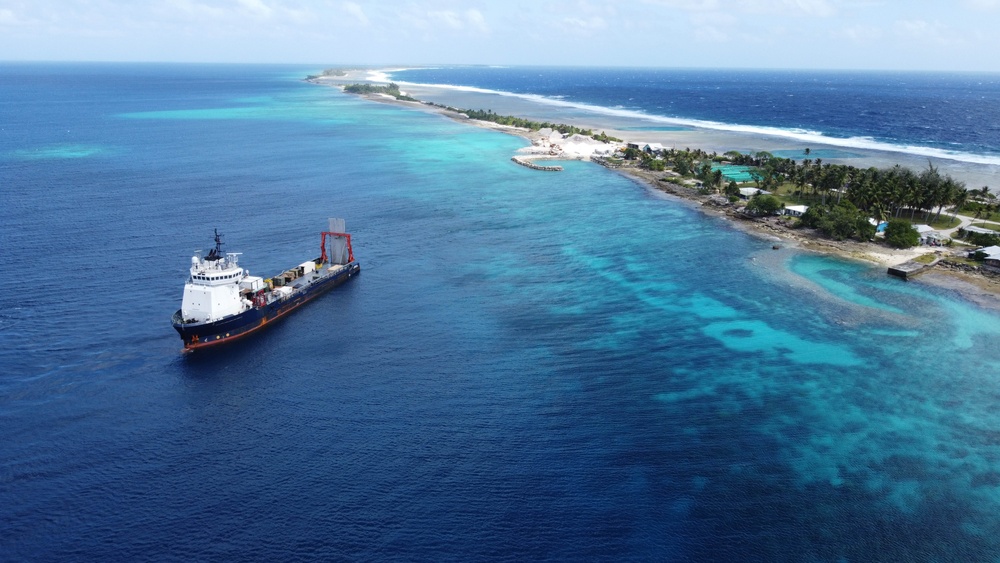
[(842, 198)]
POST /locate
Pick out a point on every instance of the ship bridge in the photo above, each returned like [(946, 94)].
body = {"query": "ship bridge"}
[(205, 271), (213, 290)]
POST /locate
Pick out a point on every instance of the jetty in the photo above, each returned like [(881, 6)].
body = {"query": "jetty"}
[(525, 162), (911, 268)]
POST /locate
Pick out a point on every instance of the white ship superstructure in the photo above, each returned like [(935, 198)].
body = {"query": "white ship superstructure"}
[(213, 290)]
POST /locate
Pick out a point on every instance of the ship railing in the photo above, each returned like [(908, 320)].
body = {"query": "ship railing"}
[(177, 318)]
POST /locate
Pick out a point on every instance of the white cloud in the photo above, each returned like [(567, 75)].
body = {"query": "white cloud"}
[(257, 8), (816, 8), (357, 12), (448, 18), (469, 20), (476, 20), (861, 33), (925, 31), (710, 34), (820, 8), (715, 19), (984, 5), (196, 10), (584, 25), (299, 16), (8, 17), (229, 13), (686, 5)]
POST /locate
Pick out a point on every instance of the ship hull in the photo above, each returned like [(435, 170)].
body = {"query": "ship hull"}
[(205, 334)]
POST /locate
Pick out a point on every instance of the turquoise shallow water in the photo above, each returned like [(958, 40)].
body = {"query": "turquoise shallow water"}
[(531, 366)]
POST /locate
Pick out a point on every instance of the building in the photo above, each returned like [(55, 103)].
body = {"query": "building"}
[(927, 234), (979, 230), (747, 193), (991, 255), (795, 210)]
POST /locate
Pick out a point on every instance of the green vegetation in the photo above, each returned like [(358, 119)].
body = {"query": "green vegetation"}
[(882, 193), (925, 258), (763, 205), (839, 221), (841, 198), (653, 164), (513, 121), (391, 89), (899, 233), (605, 138), (328, 72), (981, 239), (981, 204), (945, 222), (632, 154)]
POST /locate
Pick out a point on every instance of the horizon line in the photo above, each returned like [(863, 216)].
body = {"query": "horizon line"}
[(410, 66)]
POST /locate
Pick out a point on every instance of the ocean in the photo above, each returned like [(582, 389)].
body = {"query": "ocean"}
[(862, 118), (531, 366)]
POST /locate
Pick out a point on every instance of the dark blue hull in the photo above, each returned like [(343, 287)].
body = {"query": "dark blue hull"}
[(200, 335)]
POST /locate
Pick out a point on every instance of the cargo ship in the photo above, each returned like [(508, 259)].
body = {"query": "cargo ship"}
[(223, 302)]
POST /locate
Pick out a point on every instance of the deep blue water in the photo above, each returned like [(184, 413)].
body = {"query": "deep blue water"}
[(532, 366), (931, 114)]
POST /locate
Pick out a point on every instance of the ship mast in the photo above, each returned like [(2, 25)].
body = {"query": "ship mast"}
[(216, 253)]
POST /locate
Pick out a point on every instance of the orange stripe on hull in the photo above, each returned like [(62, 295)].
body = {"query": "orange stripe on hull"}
[(260, 325)]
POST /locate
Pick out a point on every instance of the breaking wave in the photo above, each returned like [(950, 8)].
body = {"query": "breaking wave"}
[(802, 135)]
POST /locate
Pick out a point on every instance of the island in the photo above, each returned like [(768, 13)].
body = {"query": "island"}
[(912, 222)]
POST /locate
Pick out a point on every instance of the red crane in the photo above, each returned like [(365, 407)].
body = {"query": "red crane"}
[(322, 246)]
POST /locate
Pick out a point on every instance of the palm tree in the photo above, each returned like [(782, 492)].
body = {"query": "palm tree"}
[(958, 200), (988, 210), (930, 182), (948, 193), (910, 191), (983, 192)]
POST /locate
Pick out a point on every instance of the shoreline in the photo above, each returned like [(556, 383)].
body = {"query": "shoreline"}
[(980, 288)]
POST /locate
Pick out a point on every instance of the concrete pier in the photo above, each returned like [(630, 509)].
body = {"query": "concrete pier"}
[(525, 162), (907, 270)]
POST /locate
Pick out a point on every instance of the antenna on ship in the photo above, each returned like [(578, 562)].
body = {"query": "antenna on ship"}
[(216, 253)]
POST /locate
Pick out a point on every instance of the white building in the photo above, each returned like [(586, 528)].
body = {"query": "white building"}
[(991, 252), (979, 230), (747, 193), (795, 210), (928, 234)]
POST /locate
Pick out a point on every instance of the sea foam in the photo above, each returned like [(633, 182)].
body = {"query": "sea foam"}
[(806, 136)]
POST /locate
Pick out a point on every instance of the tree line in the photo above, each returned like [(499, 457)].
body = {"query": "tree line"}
[(513, 121), (842, 197), (391, 89), (882, 192)]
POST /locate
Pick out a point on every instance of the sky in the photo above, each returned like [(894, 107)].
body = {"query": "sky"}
[(810, 34)]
